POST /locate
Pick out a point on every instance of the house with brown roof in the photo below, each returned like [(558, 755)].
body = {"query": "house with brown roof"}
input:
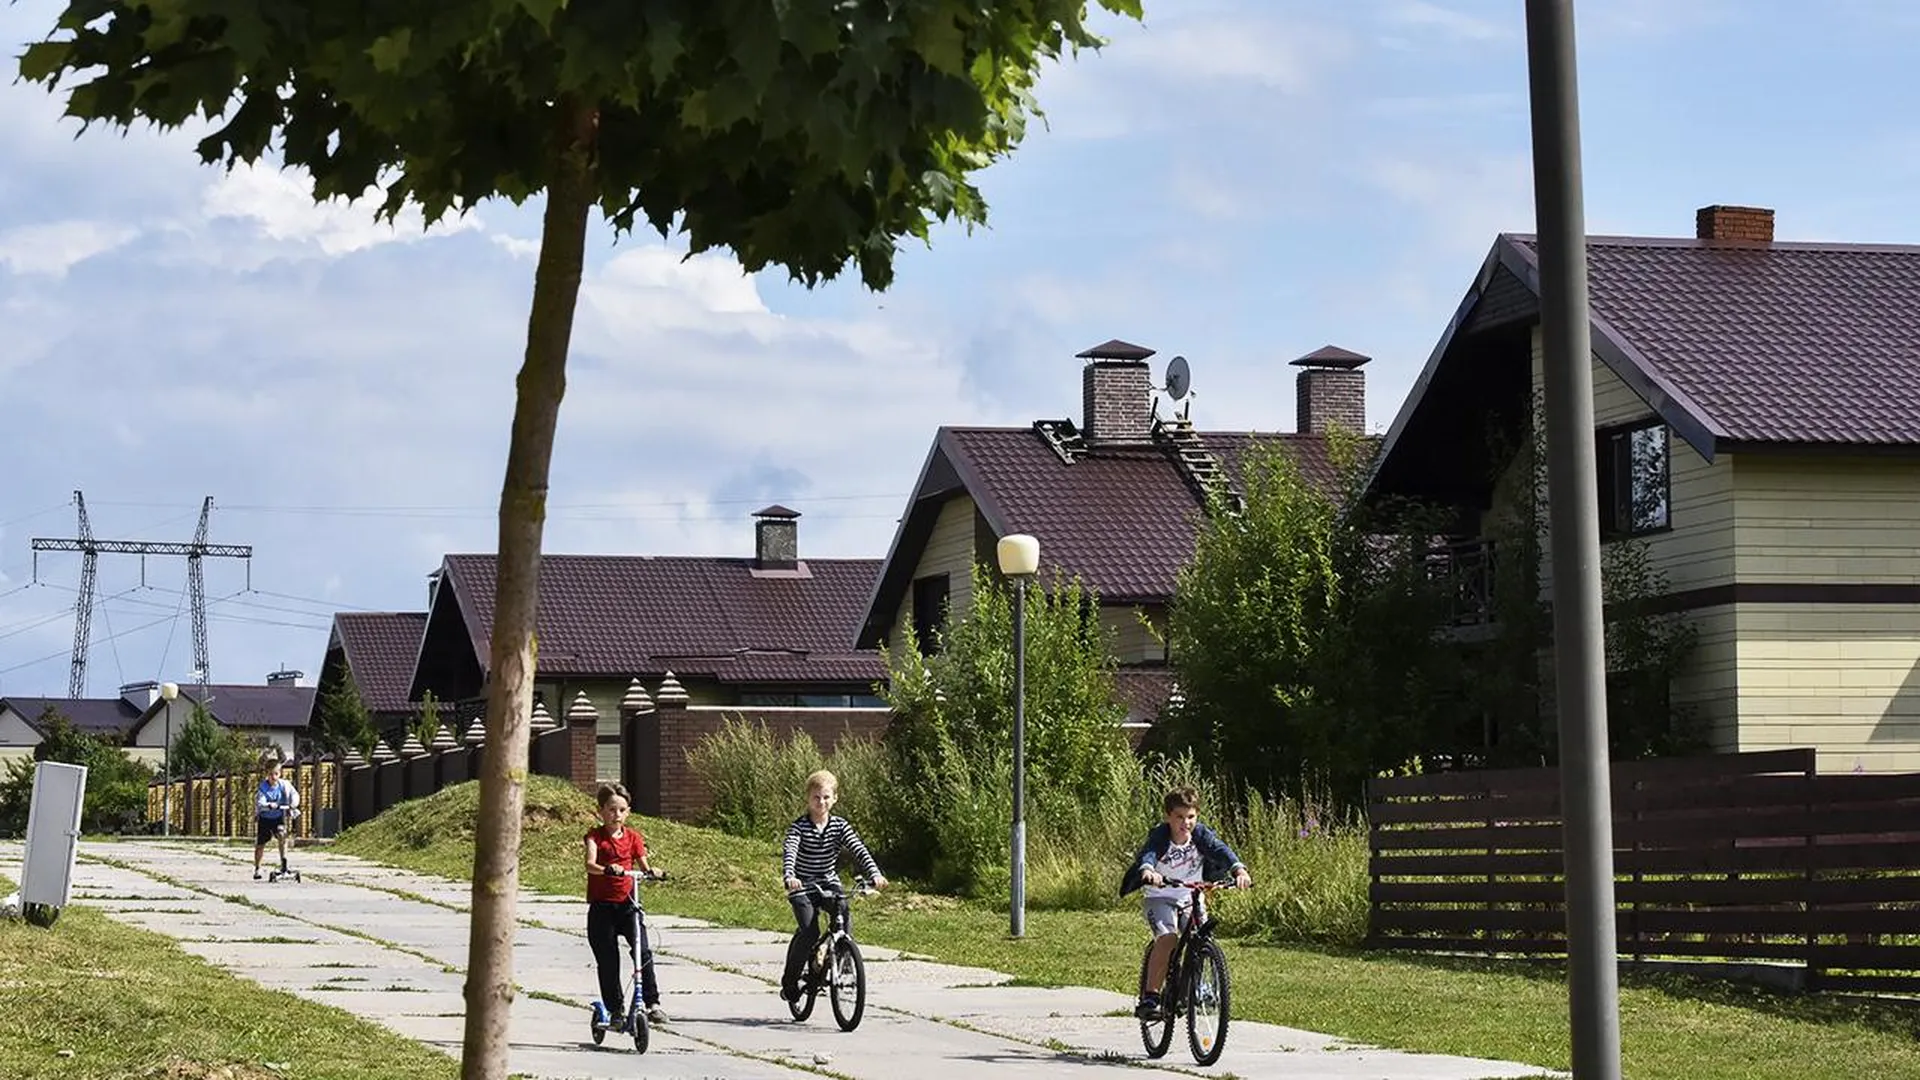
[(275, 713), (766, 632), (23, 719), (1116, 499), (1757, 421), (375, 651)]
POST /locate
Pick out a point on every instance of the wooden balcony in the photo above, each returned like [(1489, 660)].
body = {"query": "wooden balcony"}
[(1466, 568)]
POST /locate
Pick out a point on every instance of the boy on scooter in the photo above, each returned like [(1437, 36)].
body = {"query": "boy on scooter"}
[(271, 801), (613, 908)]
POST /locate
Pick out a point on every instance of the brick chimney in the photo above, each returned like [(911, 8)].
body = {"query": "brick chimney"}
[(776, 538), (1116, 394), (1750, 223), (1330, 390)]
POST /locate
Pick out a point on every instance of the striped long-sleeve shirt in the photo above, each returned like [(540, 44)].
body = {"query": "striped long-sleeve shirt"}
[(812, 852)]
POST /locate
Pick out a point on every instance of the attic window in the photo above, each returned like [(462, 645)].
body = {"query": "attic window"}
[(929, 611), (1636, 484)]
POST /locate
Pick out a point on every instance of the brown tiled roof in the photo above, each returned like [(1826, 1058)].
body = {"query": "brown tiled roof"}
[(1123, 518), (237, 705), (1144, 690), (1776, 343), (381, 647), (625, 615), (95, 716)]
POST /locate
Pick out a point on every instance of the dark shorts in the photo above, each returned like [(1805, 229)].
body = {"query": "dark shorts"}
[(264, 828)]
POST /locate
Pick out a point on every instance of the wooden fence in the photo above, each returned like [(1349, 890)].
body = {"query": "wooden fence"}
[(1738, 857), (337, 793)]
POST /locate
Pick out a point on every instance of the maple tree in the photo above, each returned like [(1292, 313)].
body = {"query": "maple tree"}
[(807, 134)]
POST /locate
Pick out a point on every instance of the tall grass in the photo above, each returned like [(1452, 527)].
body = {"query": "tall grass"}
[(1309, 862)]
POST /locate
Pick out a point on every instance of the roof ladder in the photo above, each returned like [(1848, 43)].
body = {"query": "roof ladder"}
[(1063, 438), (1201, 467)]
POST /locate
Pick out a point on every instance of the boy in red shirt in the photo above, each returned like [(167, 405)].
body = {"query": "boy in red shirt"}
[(613, 904)]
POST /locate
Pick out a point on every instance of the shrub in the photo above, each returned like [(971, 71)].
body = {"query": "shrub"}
[(116, 796)]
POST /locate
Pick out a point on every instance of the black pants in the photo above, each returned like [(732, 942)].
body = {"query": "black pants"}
[(807, 910), (607, 923)]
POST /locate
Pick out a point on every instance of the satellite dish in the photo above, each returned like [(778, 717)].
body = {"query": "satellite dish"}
[(1179, 377)]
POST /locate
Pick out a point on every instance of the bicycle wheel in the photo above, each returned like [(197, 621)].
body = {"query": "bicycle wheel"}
[(1208, 999), (847, 984), (1156, 1035)]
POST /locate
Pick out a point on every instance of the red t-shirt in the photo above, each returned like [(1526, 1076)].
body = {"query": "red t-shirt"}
[(624, 851)]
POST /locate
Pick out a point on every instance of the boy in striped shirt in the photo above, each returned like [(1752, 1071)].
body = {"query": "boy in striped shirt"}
[(811, 855)]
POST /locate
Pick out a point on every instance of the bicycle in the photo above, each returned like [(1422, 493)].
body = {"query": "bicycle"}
[(634, 1023), (836, 964), (1197, 983)]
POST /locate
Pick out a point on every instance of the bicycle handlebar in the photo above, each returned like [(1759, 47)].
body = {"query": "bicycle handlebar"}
[(861, 887)]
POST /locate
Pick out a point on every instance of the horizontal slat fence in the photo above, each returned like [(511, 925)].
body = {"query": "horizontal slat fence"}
[(1741, 857)]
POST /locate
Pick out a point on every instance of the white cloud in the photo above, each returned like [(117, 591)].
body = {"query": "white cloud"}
[(1422, 15), (53, 248), (1464, 201), (280, 204)]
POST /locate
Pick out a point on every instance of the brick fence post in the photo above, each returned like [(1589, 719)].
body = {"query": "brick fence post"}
[(583, 737), (640, 749), (674, 726), (475, 738)]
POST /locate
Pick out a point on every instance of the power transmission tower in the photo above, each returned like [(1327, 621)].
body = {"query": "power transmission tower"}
[(91, 549)]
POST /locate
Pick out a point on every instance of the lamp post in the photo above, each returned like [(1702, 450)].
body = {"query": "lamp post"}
[(1019, 556), (168, 692)]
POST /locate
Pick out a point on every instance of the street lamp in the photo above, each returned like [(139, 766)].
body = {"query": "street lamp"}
[(168, 692), (1019, 556)]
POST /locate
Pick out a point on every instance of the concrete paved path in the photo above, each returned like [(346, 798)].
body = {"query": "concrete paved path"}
[(391, 946)]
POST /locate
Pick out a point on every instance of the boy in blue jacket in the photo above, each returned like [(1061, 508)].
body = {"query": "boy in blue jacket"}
[(1177, 850)]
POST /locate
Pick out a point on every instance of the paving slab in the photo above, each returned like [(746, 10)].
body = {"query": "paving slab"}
[(390, 946)]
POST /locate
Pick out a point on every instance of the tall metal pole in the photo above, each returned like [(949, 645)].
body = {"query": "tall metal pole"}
[(1574, 535), (1018, 908), (166, 767)]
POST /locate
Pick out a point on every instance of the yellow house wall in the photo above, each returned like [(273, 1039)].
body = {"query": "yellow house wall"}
[(1698, 549), (1132, 642), (1842, 678), (949, 551), (1821, 519)]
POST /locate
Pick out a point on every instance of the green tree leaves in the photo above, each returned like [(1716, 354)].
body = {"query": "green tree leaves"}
[(806, 134)]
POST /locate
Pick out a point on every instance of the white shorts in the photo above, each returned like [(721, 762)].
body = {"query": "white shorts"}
[(1166, 915)]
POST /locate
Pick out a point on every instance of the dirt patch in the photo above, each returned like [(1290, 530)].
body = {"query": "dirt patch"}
[(181, 1069)]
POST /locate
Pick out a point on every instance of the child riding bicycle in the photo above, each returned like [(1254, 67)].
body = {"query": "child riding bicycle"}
[(1177, 851), (811, 856), (613, 904), (273, 801)]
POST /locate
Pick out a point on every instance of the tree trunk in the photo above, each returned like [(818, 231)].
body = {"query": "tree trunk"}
[(523, 512)]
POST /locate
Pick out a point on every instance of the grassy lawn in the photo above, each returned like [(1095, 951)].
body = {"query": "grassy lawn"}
[(130, 1003), (1671, 1029)]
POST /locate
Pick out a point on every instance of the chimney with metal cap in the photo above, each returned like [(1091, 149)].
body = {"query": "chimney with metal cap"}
[(1330, 391), (776, 538), (1116, 394)]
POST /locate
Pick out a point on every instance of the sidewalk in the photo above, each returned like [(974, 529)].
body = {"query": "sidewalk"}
[(390, 946)]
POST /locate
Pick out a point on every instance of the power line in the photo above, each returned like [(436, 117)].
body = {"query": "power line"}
[(406, 509)]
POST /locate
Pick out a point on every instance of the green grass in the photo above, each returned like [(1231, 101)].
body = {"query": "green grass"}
[(130, 1003), (1671, 1028)]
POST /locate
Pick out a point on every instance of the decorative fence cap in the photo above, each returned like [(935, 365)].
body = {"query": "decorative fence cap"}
[(477, 731), (582, 710), (542, 719), (636, 700), (671, 692), (412, 748), (443, 738), (352, 759), (383, 752)]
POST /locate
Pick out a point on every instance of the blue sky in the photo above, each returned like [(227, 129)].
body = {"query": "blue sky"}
[(1236, 181)]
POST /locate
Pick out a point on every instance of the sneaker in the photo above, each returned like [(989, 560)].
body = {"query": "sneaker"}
[(789, 993), (1149, 1008), (617, 1020), (656, 1015), (256, 875)]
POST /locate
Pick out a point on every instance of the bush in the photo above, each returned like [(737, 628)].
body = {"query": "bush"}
[(759, 783)]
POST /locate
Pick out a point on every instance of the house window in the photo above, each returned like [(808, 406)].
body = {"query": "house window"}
[(929, 611), (1635, 484)]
